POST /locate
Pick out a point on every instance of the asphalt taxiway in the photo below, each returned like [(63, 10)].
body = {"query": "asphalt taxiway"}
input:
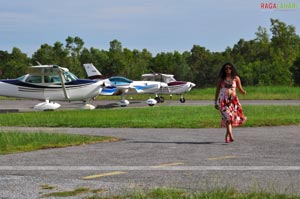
[(260, 159), (264, 158)]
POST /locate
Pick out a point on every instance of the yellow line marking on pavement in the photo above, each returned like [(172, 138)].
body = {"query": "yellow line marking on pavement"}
[(103, 175), (168, 165), (222, 157)]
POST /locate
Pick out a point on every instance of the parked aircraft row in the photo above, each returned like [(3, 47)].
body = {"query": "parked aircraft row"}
[(158, 84), (54, 83), (173, 86), (123, 86)]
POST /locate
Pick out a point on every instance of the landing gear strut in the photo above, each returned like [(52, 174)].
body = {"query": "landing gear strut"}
[(159, 99), (124, 102)]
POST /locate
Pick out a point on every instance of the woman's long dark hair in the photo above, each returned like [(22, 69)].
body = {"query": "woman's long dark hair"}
[(222, 73)]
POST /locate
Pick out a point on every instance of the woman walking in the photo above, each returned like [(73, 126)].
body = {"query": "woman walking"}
[(226, 99)]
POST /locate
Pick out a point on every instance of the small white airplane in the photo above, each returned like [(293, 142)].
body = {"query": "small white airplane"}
[(174, 86), (123, 86), (51, 83)]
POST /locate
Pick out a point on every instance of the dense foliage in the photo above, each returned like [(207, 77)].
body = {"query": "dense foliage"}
[(263, 60)]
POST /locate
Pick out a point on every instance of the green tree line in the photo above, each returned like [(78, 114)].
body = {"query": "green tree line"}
[(265, 60)]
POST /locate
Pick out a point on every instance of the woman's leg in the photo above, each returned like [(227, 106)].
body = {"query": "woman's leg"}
[(229, 136), (229, 131)]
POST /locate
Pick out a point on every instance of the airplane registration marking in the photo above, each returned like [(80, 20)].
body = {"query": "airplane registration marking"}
[(168, 165), (103, 175), (222, 157)]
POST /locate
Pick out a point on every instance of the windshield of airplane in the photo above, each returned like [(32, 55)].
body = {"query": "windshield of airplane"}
[(70, 76), (168, 78), (22, 78), (120, 80)]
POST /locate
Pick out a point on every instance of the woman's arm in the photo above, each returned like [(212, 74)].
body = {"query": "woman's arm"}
[(218, 87), (239, 85)]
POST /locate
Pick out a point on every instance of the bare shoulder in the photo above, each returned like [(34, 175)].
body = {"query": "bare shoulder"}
[(237, 78)]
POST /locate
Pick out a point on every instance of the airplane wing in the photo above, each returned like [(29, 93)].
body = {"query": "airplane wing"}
[(159, 77)]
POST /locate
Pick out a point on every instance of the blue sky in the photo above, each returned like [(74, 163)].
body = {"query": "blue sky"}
[(157, 25)]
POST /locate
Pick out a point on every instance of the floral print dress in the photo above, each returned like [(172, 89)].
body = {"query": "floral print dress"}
[(230, 106)]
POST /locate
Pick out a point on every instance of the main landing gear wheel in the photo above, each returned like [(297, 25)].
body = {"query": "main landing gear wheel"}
[(151, 102), (160, 99), (46, 106), (182, 99), (124, 103)]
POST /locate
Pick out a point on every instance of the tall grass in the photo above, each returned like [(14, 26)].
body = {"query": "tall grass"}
[(152, 117)]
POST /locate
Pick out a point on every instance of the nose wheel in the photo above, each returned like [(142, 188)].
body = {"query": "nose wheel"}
[(182, 99)]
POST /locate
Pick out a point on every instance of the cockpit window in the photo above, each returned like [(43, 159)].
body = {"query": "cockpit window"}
[(49, 78), (52, 79), (70, 77), (34, 79), (120, 80)]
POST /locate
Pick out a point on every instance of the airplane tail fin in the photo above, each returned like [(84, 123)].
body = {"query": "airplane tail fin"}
[(92, 71)]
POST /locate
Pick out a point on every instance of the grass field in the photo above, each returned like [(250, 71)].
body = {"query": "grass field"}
[(166, 193), (12, 142), (253, 93), (153, 117), (226, 193)]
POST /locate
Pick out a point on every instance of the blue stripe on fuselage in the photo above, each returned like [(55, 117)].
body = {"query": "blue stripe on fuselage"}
[(109, 90), (144, 87), (78, 82)]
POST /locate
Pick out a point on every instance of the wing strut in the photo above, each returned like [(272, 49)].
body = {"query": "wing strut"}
[(63, 83)]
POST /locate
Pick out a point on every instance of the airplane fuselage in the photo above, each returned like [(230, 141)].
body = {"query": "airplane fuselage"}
[(77, 90), (144, 87), (127, 86)]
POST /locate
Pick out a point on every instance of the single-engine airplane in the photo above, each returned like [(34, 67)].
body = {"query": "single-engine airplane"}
[(123, 86), (51, 83), (174, 86)]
